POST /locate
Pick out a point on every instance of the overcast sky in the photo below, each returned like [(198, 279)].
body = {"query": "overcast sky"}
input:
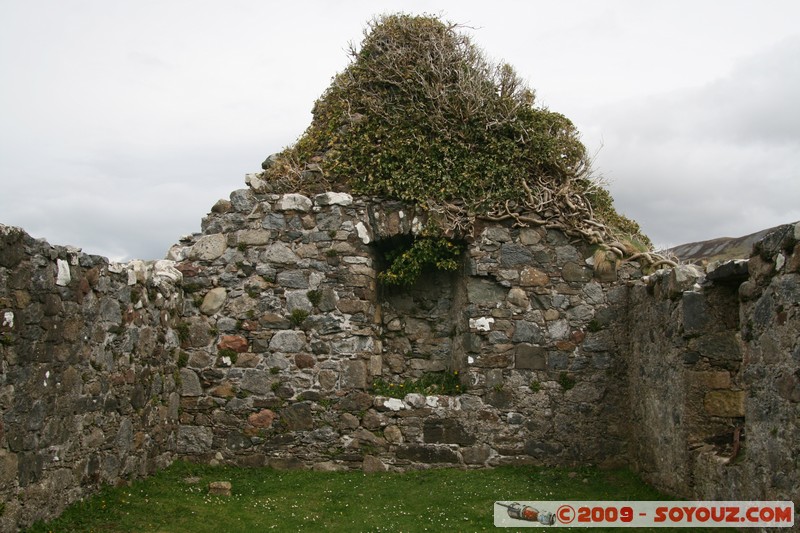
[(123, 122)]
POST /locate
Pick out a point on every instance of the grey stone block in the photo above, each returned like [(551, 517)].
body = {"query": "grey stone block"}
[(427, 454), (354, 374), (446, 431), (195, 440), (530, 357)]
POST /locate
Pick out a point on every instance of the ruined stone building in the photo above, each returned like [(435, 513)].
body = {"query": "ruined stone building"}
[(266, 340)]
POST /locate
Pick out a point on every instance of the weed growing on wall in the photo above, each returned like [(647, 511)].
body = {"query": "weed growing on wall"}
[(422, 116), (314, 296), (230, 355), (183, 331), (405, 265), (566, 381), (298, 316), (431, 383)]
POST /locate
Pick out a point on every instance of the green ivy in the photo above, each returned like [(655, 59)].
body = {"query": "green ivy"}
[(422, 116), (405, 265), (432, 383)]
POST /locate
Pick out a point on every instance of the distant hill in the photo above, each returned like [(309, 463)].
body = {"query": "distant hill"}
[(719, 249)]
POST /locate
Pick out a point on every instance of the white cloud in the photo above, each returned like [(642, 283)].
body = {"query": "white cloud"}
[(711, 161)]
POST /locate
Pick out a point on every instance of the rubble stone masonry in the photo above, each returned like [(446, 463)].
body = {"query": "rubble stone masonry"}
[(268, 340)]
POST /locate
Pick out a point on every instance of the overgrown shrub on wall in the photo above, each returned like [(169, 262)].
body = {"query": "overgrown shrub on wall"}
[(421, 115)]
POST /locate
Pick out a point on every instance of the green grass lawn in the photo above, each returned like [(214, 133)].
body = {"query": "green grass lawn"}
[(270, 500)]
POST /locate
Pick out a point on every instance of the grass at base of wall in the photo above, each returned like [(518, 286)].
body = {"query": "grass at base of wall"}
[(270, 500)]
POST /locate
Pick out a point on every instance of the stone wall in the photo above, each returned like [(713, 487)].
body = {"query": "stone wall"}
[(267, 340), (685, 358), (288, 333), (770, 320), (715, 376), (87, 374)]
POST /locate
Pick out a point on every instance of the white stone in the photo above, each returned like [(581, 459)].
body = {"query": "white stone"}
[(415, 400), (8, 319), (74, 253), (175, 253), (138, 268), (558, 330), (416, 226), (363, 234), (294, 202), (395, 404), (209, 247), (470, 359), (432, 401), (333, 198), (253, 179), (780, 260), (164, 270), (357, 260), (481, 324), (258, 185), (681, 278), (116, 268), (315, 279), (63, 277), (683, 272), (288, 341)]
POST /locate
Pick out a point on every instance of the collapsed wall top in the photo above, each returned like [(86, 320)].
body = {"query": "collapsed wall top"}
[(421, 115)]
